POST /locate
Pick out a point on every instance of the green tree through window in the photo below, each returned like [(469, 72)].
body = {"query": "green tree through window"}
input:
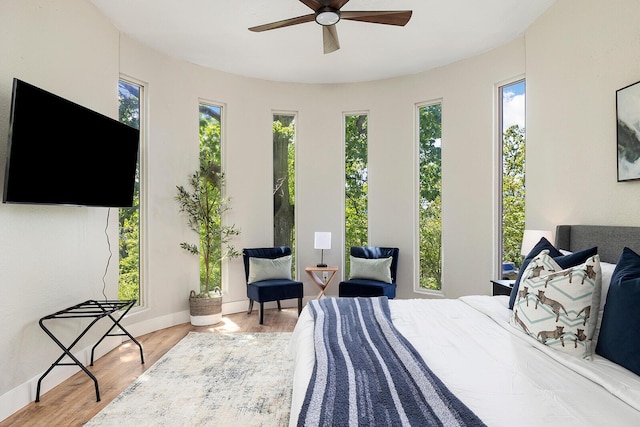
[(211, 157), (129, 96), (430, 204), (284, 182), (513, 170), (356, 222)]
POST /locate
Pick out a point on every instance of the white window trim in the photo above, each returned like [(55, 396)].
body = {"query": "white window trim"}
[(416, 218)]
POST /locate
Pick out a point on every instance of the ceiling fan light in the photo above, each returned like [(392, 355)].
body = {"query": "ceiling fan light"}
[(327, 17)]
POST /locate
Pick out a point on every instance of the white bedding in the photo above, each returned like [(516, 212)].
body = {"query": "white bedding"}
[(503, 376)]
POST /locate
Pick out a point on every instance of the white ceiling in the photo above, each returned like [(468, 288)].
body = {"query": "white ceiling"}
[(214, 33)]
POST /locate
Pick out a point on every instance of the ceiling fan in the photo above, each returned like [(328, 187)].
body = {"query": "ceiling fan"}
[(327, 13)]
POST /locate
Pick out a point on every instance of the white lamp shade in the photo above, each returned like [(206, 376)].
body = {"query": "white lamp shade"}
[(531, 237), (322, 240)]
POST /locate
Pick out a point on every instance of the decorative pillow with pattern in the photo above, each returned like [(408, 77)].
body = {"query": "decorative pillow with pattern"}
[(554, 305)]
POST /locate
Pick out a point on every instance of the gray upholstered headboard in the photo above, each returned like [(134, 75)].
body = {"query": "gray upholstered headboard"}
[(609, 239)]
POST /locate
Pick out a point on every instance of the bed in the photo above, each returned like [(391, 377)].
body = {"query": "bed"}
[(502, 376)]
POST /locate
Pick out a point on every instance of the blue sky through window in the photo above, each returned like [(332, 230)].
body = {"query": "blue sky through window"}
[(513, 105)]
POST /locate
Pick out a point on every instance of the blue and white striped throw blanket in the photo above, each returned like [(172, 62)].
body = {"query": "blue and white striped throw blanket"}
[(367, 374)]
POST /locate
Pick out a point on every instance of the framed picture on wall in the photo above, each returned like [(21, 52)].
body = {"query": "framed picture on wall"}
[(628, 132)]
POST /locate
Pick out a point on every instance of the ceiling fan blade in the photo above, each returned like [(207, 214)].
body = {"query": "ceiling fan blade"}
[(337, 3), (317, 4), (313, 4), (330, 39), (284, 23), (388, 17)]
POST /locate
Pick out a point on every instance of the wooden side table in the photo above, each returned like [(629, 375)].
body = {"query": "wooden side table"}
[(320, 283)]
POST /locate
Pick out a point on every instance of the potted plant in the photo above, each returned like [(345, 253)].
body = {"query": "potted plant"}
[(204, 206)]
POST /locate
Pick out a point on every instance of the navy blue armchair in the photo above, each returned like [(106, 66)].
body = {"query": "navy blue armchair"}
[(268, 275), (371, 279)]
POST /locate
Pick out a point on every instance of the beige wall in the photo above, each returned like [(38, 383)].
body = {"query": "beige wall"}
[(467, 92), (578, 54), (50, 256), (575, 57)]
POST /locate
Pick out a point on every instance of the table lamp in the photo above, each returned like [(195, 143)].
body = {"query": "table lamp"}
[(322, 241), (531, 237)]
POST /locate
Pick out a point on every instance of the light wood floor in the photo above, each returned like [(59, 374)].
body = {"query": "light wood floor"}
[(73, 402)]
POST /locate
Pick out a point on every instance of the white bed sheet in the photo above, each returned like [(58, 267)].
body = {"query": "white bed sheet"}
[(503, 376)]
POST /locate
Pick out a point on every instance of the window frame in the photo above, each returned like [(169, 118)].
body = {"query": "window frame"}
[(344, 250), (224, 270), (143, 266), (295, 115), (499, 169), (416, 211)]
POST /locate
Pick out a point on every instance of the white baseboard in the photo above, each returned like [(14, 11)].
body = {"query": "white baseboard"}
[(147, 326)]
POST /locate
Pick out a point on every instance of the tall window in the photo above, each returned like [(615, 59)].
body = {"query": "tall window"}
[(211, 165), (512, 126), (356, 219), (284, 150), (430, 197), (130, 108)]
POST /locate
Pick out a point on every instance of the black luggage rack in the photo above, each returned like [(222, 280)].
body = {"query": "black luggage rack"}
[(89, 309)]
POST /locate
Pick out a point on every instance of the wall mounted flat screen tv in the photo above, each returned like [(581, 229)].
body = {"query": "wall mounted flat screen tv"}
[(61, 153)]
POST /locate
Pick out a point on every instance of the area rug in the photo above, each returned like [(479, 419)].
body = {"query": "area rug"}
[(210, 379)]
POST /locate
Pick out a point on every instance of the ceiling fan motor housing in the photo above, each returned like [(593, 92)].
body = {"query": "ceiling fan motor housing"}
[(327, 15)]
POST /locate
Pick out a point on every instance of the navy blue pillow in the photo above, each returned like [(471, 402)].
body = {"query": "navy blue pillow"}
[(564, 261), (539, 247), (577, 258), (620, 330)]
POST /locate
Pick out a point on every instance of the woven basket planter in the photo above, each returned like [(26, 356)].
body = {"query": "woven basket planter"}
[(205, 311)]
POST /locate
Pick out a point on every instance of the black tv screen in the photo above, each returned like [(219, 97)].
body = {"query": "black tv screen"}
[(60, 152)]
